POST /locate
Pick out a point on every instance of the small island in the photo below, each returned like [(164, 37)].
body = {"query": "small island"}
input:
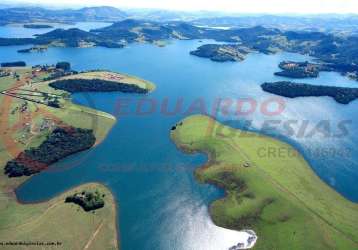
[(298, 69), (88, 200), (292, 90), (13, 64), (37, 26), (221, 52), (35, 49)]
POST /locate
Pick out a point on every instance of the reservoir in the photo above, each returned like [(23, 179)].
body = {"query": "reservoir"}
[(160, 204)]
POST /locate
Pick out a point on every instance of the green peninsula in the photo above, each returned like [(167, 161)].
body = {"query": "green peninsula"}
[(222, 52), (273, 193), (299, 69), (34, 115)]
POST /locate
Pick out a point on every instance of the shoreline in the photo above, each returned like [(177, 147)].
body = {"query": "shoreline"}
[(210, 160), (211, 164), (11, 185)]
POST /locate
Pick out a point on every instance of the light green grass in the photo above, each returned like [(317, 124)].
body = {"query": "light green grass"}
[(67, 223), (279, 197)]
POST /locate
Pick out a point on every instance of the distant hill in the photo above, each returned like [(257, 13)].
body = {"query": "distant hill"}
[(131, 30), (138, 30), (75, 38), (337, 51), (66, 34), (309, 23), (64, 38), (36, 14)]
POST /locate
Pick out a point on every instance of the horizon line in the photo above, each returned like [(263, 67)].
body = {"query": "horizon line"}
[(6, 5)]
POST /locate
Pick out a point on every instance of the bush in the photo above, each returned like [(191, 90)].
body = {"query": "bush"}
[(88, 85), (88, 200)]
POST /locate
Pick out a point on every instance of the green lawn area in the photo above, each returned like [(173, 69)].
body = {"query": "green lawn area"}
[(278, 196)]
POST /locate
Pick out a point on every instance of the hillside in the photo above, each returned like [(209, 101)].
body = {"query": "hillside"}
[(36, 14)]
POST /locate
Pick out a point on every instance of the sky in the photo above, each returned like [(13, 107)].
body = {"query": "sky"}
[(240, 6)]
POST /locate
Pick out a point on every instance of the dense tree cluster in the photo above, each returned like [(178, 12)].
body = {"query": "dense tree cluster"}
[(290, 89), (89, 85), (13, 64), (300, 69), (221, 52), (60, 143), (228, 181), (297, 73), (88, 200)]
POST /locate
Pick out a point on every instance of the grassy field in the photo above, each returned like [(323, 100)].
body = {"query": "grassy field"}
[(277, 194), (25, 124), (56, 221), (52, 220)]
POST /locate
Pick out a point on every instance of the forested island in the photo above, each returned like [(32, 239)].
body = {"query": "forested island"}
[(13, 64), (88, 200), (299, 69), (96, 85), (292, 90), (61, 142), (221, 53), (37, 26)]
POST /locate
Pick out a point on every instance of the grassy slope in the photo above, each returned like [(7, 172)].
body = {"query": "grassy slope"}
[(67, 223), (45, 221), (281, 198)]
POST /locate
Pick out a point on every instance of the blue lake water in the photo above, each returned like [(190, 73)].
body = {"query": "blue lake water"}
[(160, 204), (18, 31)]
